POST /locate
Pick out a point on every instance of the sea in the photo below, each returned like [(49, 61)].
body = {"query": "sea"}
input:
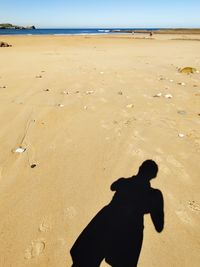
[(95, 31)]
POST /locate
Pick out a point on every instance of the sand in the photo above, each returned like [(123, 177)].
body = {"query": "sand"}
[(97, 121)]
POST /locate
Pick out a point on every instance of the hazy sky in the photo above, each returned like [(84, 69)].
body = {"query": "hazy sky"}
[(101, 13)]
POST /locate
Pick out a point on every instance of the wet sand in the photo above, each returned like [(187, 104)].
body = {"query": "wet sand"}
[(84, 111)]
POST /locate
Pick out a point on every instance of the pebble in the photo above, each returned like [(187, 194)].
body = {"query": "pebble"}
[(182, 112), (38, 76), (20, 150), (61, 105), (158, 95), (168, 96), (3, 86), (183, 84), (89, 92), (33, 166), (181, 135), (130, 106), (65, 93)]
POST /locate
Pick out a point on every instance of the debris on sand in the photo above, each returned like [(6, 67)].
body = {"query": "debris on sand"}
[(183, 84), (33, 166), (4, 44), (38, 76), (181, 135), (182, 112), (3, 87), (46, 90), (120, 93), (188, 70), (19, 150), (168, 96), (130, 106), (65, 92), (89, 92), (158, 95), (60, 105)]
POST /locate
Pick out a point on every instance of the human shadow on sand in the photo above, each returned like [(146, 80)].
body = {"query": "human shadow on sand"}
[(116, 232)]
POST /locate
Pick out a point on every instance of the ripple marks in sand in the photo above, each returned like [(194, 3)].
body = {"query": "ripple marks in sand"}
[(35, 249)]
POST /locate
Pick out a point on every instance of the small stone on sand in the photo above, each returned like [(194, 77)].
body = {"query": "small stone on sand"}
[(187, 70), (130, 106), (183, 84), (168, 96), (89, 92), (33, 166), (158, 95), (182, 112), (181, 135), (20, 150)]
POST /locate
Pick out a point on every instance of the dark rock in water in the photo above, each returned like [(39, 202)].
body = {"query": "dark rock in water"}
[(4, 44)]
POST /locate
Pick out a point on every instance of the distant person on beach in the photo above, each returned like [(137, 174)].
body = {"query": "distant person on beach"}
[(151, 34), (116, 232)]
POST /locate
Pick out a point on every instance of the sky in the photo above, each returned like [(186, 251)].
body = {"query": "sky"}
[(101, 13)]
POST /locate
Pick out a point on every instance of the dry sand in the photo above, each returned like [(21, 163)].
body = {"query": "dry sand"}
[(82, 141)]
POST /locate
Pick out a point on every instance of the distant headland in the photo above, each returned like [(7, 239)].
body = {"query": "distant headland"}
[(11, 26)]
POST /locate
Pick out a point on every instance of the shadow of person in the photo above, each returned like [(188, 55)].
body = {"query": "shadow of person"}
[(116, 232)]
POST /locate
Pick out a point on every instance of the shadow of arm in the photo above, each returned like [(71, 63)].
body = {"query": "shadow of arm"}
[(157, 213)]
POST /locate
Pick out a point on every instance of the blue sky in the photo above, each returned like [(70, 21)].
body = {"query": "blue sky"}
[(101, 13)]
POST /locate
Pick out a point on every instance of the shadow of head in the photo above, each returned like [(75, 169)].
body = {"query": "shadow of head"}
[(148, 170)]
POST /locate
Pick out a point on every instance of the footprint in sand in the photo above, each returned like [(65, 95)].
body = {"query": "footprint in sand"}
[(35, 249), (70, 212), (174, 162), (44, 227), (183, 216), (193, 206)]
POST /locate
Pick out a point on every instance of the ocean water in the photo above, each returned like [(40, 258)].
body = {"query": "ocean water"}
[(63, 31)]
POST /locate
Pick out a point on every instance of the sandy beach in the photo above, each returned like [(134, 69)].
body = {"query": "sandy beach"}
[(79, 112)]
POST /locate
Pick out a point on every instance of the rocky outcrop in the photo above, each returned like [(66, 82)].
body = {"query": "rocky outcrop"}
[(15, 27)]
